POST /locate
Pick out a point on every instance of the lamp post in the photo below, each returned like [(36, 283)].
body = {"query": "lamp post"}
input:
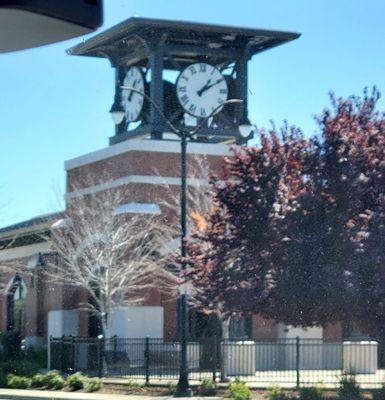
[(183, 389)]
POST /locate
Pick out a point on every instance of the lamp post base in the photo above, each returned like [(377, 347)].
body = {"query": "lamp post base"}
[(182, 392)]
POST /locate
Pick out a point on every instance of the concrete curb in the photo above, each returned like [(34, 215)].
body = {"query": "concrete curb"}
[(22, 394)]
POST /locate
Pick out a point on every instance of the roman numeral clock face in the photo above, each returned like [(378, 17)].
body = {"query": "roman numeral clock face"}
[(201, 88), (132, 102)]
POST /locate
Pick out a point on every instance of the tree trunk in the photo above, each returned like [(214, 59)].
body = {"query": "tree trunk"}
[(104, 339)]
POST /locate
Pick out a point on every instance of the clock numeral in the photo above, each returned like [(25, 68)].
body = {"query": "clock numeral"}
[(131, 116), (220, 101), (202, 67), (212, 72), (223, 91), (203, 112), (184, 99), (192, 108), (183, 77), (181, 88), (193, 70)]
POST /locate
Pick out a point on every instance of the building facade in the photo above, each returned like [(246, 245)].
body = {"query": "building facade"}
[(143, 157)]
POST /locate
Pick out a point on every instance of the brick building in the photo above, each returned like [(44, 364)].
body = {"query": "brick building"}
[(146, 54), (37, 308)]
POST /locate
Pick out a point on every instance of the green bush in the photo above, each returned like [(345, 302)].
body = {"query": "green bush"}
[(349, 388), (276, 393), (37, 381), (94, 384), (3, 379), (25, 365), (20, 367), (311, 393), (18, 382), (10, 346), (239, 390), (76, 381), (38, 357), (379, 394), (134, 385), (53, 380), (207, 387)]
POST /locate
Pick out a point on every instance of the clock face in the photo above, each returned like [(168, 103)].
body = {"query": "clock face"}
[(133, 101), (201, 88)]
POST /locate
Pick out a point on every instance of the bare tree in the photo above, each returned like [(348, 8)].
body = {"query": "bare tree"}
[(115, 256), (118, 257), (199, 199)]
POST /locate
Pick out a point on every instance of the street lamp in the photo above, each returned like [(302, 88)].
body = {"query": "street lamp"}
[(245, 130), (183, 389), (117, 110), (117, 113)]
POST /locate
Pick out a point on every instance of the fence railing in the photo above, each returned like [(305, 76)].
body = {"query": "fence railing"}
[(287, 362)]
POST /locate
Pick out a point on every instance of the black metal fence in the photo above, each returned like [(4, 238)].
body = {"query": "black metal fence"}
[(286, 362)]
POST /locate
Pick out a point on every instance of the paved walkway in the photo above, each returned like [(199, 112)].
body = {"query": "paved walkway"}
[(46, 394)]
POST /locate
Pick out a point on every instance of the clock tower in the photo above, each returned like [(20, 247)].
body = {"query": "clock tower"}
[(186, 70), (173, 84)]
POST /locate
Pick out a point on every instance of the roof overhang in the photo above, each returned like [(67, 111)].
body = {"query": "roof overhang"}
[(32, 226), (131, 40)]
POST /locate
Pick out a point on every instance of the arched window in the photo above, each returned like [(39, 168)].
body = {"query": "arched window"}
[(240, 327), (16, 296)]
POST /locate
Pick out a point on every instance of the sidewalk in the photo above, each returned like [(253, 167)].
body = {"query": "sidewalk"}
[(54, 395)]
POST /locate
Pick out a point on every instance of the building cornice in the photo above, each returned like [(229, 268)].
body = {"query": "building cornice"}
[(148, 145), (138, 179), (24, 251)]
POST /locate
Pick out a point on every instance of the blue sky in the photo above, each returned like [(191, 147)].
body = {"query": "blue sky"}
[(55, 107)]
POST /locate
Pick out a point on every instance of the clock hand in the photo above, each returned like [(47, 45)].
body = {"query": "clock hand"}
[(199, 92), (132, 92), (207, 87)]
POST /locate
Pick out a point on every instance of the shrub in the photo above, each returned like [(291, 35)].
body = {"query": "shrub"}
[(207, 387), (37, 381), (53, 380), (239, 391), (171, 387), (76, 381), (349, 388), (276, 393), (22, 367), (38, 357), (379, 394), (10, 344), (134, 385), (94, 384), (311, 393), (3, 379), (18, 382)]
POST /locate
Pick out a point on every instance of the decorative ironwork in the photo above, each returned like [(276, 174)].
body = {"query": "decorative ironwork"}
[(159, 45)]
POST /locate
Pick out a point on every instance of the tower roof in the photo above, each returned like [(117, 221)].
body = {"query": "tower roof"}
[(131, 40)]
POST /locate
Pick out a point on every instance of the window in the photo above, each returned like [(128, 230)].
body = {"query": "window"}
[(16, 305)]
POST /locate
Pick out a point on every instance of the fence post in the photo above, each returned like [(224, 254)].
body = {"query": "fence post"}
[(100, 354), (297, 349), (73, 353), (62, 353), (115, 341), (49, 352), (147, 359), (215, 358)]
